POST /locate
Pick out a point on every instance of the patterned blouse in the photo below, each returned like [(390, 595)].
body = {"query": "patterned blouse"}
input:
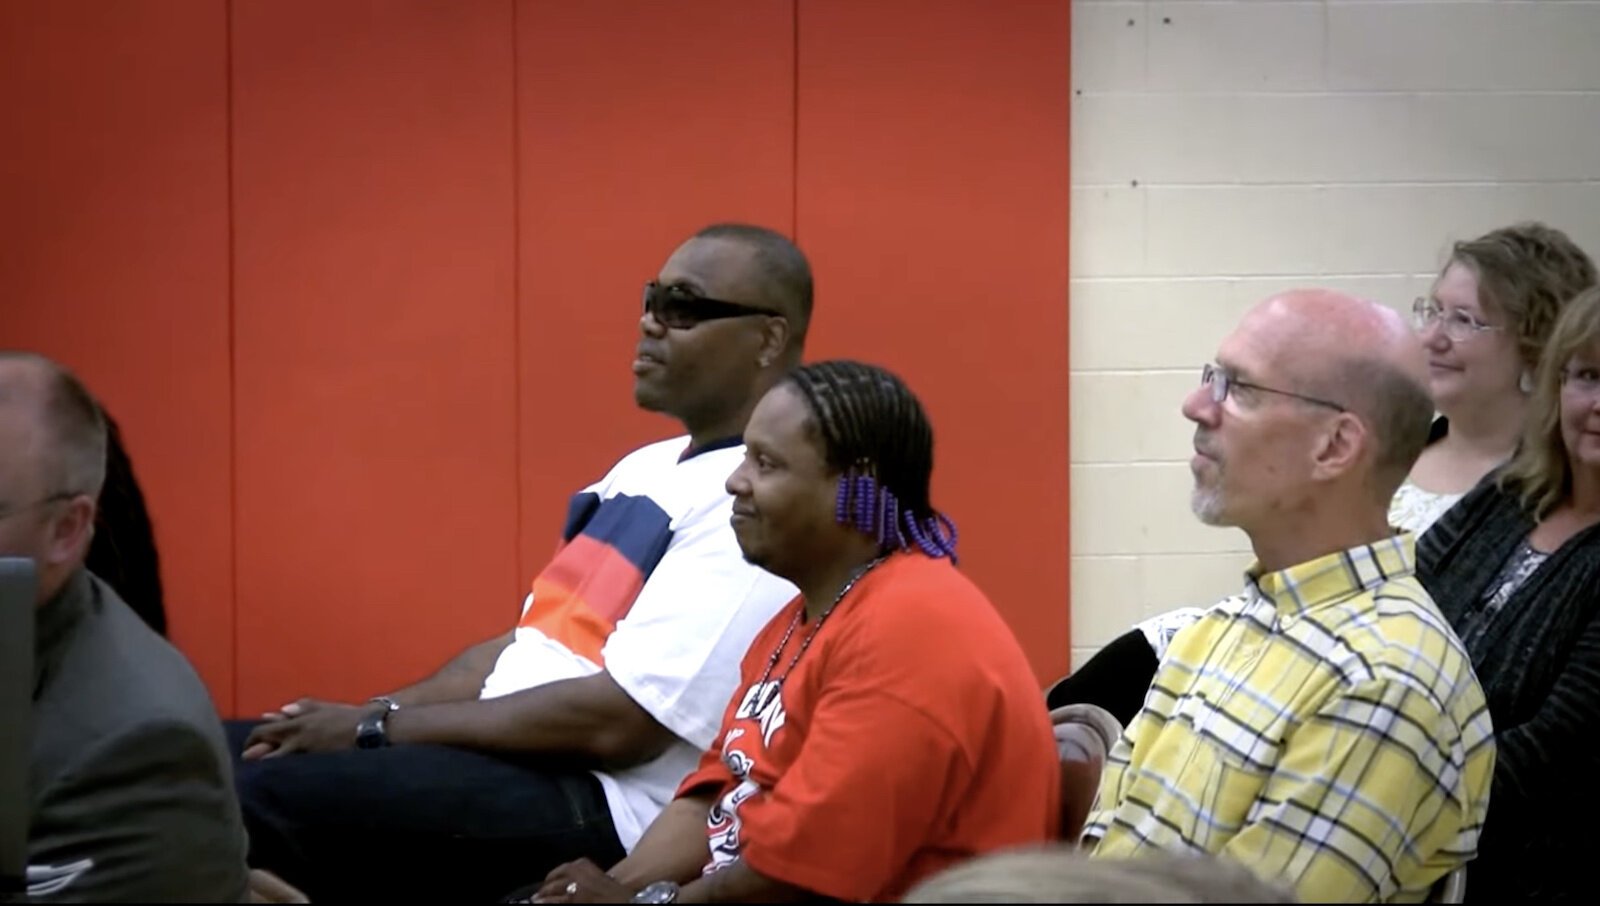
[(1416, 510)]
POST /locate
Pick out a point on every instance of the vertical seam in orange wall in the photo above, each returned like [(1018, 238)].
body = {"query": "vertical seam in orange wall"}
[(1067, 338), (516, 292), (794, 131), (233, 384)]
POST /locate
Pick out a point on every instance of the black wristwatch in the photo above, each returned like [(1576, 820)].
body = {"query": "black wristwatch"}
[(371, 733), (659, 892)]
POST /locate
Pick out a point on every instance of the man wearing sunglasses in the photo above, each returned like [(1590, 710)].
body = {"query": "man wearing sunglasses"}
[(1324, 729), (565, 737)]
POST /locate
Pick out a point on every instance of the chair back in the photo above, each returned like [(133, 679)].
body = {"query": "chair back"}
[(1452, 888), (1084, 735)]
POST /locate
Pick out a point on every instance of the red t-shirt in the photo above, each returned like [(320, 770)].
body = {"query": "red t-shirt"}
[(910, 735)]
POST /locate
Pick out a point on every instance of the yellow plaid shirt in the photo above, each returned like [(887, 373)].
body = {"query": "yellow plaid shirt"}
[(1324, 729)]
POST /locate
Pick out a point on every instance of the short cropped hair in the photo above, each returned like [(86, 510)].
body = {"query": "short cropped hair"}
[(1398, 412), (784, 269), (76, 458)]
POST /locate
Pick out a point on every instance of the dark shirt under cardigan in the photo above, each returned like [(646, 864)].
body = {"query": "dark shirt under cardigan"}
[(1538, 660)]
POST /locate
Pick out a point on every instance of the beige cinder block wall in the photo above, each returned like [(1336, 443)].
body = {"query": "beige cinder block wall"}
[(1224, 150)]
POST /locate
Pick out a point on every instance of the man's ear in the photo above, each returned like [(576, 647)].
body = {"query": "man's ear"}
[(774, 341), (72, 530), (1340, 447)]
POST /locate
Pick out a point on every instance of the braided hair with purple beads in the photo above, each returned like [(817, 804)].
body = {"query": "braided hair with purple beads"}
[(875, 434)]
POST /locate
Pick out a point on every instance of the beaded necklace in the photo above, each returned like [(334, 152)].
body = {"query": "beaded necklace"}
[(806, 642)]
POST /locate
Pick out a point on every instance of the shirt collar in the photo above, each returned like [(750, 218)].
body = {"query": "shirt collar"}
[(1337, 576), (691, 451)]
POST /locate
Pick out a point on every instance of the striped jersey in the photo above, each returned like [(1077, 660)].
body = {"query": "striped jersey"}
[(648, 584)]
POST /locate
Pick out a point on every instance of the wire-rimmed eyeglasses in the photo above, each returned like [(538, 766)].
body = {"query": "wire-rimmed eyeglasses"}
[(1222, 382)]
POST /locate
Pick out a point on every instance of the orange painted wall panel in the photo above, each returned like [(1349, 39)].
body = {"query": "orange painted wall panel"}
[(360, 277), (639, 122), (375, 340), (114, 260), (932, 197)]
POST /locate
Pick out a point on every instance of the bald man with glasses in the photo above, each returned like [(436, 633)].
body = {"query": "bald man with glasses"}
[(1323, 729)]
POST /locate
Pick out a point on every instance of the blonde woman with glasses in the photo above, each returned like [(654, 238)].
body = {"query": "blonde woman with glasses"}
[(1515, 567), (1484, 323)]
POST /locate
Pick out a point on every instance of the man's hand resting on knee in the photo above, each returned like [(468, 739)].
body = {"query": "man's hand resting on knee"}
[(307, 725), (310, 725)]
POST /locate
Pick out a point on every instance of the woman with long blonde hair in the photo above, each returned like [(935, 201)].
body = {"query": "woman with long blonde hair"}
[(1515, 568)]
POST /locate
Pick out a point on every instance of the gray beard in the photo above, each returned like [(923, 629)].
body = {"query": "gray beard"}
[(1206, 504)]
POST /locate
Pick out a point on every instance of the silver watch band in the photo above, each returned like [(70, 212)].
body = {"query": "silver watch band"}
[(658, 892)]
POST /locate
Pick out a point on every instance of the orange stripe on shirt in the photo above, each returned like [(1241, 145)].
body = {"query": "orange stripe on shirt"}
[(581, 595)]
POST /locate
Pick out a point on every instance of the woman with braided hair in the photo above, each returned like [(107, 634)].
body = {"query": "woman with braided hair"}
[(123, 550), (887, 724)]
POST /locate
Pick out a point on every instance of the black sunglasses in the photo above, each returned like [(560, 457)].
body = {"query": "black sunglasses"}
[(680, 308)]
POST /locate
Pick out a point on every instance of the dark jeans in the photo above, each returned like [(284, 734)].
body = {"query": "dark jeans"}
[(445, 824)]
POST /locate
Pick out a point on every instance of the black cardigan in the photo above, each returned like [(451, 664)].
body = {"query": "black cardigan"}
[(1539, 665)]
